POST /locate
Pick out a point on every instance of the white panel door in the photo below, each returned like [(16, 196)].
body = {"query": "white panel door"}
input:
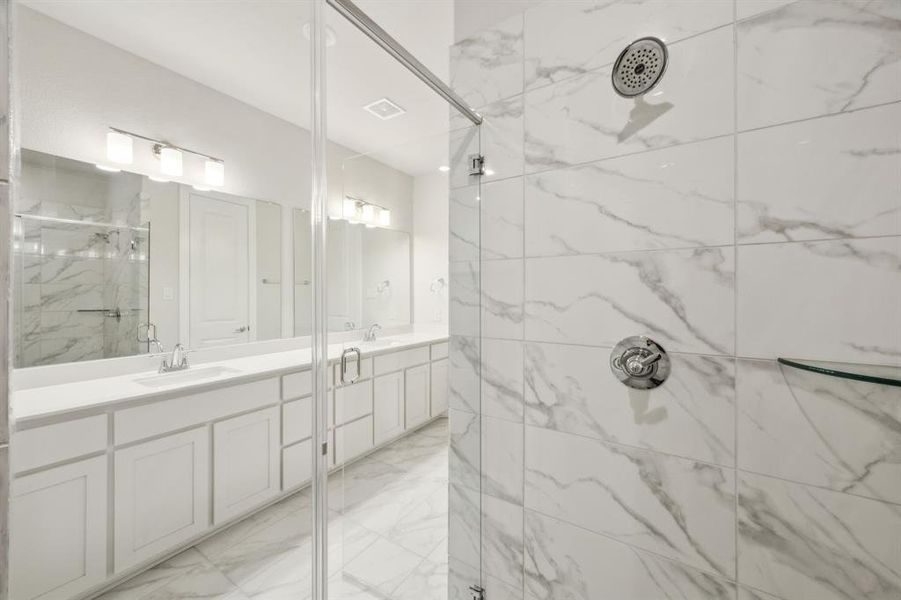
[(219, 272), (439, 387), (245, 462), (416, 395), (58, 531), (162, 495), (388, 406)]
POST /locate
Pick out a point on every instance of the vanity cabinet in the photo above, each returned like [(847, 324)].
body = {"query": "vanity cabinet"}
[(245, 463), (388, 406), (58, 540), (162, 495), (416, 395), (439, 383)]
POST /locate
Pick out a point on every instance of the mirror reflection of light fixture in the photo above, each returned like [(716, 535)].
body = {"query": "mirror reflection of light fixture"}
[(372, 215), (119, 147), (107, 168), (215, 172), (350, 209), (171, 161), (384, 217), (369, 215)]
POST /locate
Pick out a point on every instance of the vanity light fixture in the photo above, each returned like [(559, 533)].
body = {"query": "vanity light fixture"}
[(107, 168), (158, 179), (385, 217), (215, 172), (119, 147), (444, 168), (171, 162), (367, 213), (350, 210)]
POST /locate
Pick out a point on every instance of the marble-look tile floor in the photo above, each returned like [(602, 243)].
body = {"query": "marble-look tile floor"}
[(387, 537)]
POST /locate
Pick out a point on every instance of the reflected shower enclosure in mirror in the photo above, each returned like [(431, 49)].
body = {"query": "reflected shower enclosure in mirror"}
[(89, 275)]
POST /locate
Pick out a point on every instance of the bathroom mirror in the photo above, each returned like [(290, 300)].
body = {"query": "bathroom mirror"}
[(369, 275), (89, 275)]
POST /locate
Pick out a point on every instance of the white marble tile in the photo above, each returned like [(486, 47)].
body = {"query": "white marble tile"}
[(464, 356), (502, 459), (836, 433), (502, 219), (801, 542), (675, 507), (463, 215), (502, 541), (564, 561), (464, 527), (502, 379), (749, 8), (465, 449), (817, 300), (463, 302), (501, 138), (683, 299), (678, 197), (502, 299), (749, 594), (382, 566), (428, 581), (583, 119), (813, 58), (487, 66), (66, 297), (563, 39), (204, 581), (422, 526), (461, 577), (156, 577), (832, 177), (571, 389)]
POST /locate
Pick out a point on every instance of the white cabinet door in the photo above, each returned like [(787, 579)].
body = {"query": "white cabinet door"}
[(162, 495), (416, 395), (58, 531), (353, 439), (353, 402), (388, 409), (297, 464), (246, 462), (439, 387)]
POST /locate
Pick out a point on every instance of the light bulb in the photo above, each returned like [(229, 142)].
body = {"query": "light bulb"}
[(215, 173), (119, 148), (350, 209), (171, 161), (368, 214), (384, 217)]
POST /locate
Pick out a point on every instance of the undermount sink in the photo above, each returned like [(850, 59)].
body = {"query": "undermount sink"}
[(187, 376)]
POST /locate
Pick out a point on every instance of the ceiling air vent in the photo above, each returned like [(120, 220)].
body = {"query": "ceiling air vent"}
[(384, 109)]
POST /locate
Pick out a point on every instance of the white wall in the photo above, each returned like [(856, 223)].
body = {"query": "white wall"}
[(430, 246)]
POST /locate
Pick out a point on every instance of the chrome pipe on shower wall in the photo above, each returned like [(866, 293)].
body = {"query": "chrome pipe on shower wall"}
[(352, 13)]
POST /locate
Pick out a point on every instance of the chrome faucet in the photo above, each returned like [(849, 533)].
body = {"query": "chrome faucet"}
[(177, 362), (369, 336)]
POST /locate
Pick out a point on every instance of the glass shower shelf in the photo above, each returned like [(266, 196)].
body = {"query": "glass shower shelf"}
[(869, 373)]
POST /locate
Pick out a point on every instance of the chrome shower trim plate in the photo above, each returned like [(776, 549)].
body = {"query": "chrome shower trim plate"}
[(640, 363)]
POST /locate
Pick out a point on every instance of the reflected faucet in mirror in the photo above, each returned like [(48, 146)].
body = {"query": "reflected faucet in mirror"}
[(149, 336), (369, 336)]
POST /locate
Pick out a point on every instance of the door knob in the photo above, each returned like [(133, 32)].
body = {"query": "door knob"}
[(640, 363)]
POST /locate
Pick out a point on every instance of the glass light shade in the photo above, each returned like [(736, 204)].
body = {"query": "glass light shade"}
[(215, 173), (171, 162), (368, 214), (350, 209), (119, 148), (384, 217)]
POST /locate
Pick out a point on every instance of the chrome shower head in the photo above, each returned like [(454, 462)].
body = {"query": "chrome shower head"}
[(639, 67)]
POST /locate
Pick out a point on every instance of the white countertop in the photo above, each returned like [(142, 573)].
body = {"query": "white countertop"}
[(38, 403)]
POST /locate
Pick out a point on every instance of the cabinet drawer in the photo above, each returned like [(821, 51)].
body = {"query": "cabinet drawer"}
[(439, 351), (43, 446), (297, 464), (353, 401), (297, 385), (297, 420), (353, 439), (169, 415), (397, 361)]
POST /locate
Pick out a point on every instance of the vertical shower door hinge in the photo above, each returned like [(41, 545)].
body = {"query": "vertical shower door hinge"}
[(478, 592), (324, 448), (476, 165)]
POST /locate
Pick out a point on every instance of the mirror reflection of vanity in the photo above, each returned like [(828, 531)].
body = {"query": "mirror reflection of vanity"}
[(100, 255)]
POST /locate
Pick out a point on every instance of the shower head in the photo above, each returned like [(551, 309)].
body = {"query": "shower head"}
[(639, 67)]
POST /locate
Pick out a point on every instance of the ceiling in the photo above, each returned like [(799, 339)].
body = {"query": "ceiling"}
[(255, 51)]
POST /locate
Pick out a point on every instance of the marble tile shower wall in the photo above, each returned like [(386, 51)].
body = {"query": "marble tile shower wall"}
[(749, 207)]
